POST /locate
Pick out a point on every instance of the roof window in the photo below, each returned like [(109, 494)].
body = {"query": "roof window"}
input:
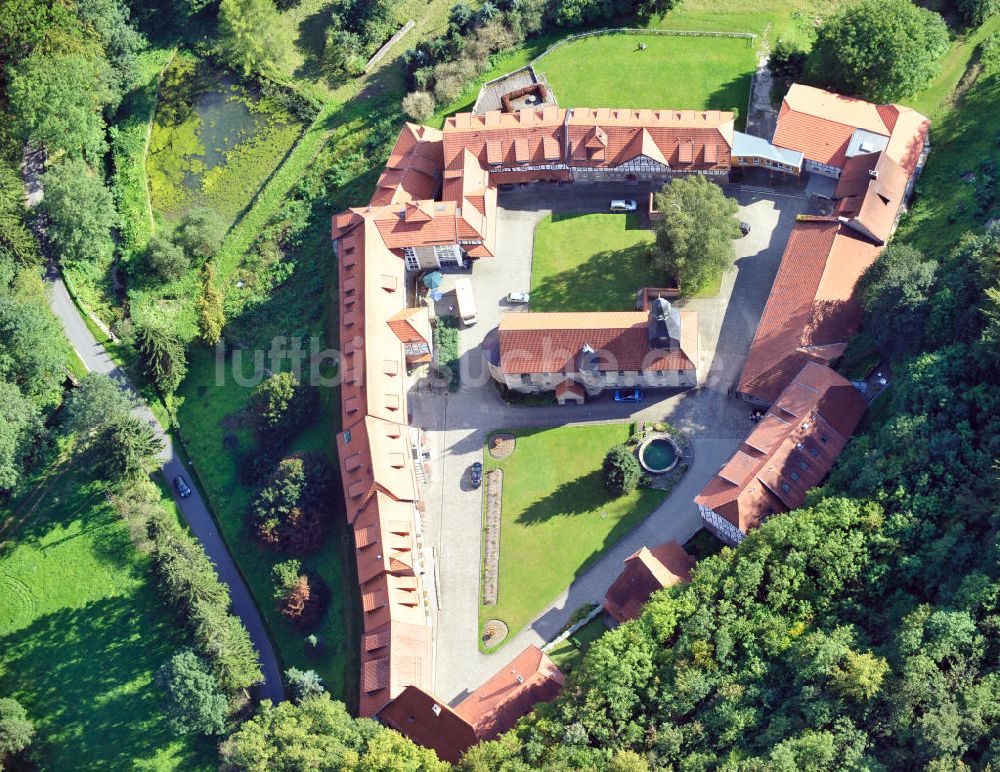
[(786, 487)]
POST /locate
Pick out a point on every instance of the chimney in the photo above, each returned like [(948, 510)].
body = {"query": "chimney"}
[(873, 173), (436, 709)]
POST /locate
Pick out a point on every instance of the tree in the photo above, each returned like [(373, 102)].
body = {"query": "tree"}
[(161, 355), (32, 348), (975, 12), (419, 105), (57, 100), (621, 471), (211, 314), (127, 444), (21, 432), (882, 50), (97, 401), (289, 511), (694, 240), (200, 233), (81, 213), (248, 34), (859, 676), (15, 238), (894, 294), (318, 734), (279, 407), (120, 40), (649, 8), (305, 684), (165, 260), (223, 639), (193, 699), (16, 729), (786, 62), (390, 750)]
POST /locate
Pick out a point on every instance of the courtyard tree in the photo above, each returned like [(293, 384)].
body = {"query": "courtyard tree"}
[(621, 471), (248, 34), (194, 701), (161, 354), (694, 240), (81, 213), (883, 50), (16, 729)]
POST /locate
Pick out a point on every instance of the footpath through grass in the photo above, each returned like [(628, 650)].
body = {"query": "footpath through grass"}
[(82, 632), (591, 262), (558, 518), (691, 73)]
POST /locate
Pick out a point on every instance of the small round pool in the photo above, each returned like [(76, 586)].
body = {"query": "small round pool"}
[(658, 454)]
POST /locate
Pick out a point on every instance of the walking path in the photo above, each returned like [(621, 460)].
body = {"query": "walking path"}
[(96, 359)]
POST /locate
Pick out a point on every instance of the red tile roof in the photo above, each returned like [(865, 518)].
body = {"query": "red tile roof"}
[(496, 706), (789, 452), (812, 310), (429, 722), (870, 194), (551, 342), (645, 572)]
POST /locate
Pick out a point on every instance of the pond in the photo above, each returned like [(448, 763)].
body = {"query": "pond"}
[(214, 141), (658, 454)]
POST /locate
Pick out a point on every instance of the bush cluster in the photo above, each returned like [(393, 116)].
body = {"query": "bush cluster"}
[(446, 351)]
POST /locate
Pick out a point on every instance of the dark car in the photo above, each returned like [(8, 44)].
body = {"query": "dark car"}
[(183, 489), (476, 474), (745, 228), (628, 395)]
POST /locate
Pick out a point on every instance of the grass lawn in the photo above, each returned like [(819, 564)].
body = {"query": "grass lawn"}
[(82, 632), (567, 655), (590, 262), (679, 72), (557, 516)]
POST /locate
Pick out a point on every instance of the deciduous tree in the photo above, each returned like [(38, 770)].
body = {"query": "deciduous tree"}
[(894, 293), (248, 34), (193, 699), (21, 433), (200, 233), (165, 260), (16, 729), (81, 213), (694, 240), (882, 50)]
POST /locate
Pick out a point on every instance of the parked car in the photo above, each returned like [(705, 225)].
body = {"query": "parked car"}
[(183, 489), (518, 297), (628, 395), (476, 474), (623, 205), (744, 227)]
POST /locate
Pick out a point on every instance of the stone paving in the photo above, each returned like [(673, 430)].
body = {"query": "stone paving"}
[(458, 424)]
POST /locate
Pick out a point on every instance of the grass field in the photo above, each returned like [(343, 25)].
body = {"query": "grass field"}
[(82, 632), (567, 655), (678, 72), (590, 262), (557, 515)]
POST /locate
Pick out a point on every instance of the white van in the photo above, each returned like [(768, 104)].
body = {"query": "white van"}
[(466, 301), (622, 205)]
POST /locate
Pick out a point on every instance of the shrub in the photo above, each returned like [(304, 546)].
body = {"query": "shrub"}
[(193, 699), (165, 260), (418, 105), (284, 577), (446, 351), (621, 471), (305, 684), (302, 597), (200, 233)]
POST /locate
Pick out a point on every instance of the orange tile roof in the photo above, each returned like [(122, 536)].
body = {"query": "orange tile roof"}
[(551, 342), (645, 572), (789, 452), (496, 706), (811, 311), (411, 173)]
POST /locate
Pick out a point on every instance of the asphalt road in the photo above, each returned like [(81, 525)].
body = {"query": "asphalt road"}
[(195, 512)]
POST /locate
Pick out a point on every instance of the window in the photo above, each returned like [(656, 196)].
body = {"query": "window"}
[(410, 257), (813, 451), (824, 439), (803, 465), (795, 476), (786, 487)]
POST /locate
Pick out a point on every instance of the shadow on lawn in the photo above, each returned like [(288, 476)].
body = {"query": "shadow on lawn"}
[(576, 497), (606, 281), (70, 668), (733, 95)]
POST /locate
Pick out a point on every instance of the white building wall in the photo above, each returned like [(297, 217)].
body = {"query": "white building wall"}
[(721, 527)]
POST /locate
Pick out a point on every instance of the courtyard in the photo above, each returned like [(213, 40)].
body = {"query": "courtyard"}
[(459, 424)]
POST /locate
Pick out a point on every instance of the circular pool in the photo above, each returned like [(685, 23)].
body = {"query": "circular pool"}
[(658, 454)]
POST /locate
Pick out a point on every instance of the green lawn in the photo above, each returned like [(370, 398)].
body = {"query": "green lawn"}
[(557, 516), (82, 632), (678, 72), (567, 655), (590, 262)]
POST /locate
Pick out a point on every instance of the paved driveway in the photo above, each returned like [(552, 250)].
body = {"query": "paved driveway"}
[(458, 424)]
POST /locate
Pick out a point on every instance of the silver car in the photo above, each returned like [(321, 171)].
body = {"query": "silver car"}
[(518, 297)]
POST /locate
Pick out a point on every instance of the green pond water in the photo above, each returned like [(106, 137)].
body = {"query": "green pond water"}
[(659, 454)]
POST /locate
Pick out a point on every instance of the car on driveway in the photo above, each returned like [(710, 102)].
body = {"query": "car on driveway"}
[(628, 395), (183, 489), (476, 474), (518, 297), (623, 205)]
